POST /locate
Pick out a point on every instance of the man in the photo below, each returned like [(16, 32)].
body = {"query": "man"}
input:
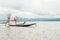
[(8, 19), (15, 20)]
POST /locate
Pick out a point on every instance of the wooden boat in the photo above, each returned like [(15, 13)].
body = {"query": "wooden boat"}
[(23, 25)]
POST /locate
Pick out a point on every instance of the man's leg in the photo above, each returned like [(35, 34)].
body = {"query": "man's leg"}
[(15, 20)]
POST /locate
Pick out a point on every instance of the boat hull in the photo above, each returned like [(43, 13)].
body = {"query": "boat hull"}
[(23, 25)]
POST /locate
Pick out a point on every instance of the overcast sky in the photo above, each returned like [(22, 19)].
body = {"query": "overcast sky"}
[(46, 6), (38, 7), (17, 4)]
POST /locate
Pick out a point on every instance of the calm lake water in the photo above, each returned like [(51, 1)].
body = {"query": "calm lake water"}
[(47, 30)]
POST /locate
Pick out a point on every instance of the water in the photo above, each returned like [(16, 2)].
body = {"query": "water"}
[(47, 30)]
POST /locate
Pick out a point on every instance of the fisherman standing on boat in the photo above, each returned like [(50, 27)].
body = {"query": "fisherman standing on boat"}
[(8, 19), (15, 20)]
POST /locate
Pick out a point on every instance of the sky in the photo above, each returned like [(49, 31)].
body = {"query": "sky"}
[(51, 7), (17, 4), (34, 8)]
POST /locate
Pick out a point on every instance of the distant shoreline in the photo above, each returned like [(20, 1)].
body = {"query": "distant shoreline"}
[(37, 19)]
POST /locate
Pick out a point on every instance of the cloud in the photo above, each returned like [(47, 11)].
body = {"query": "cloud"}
[(46, 6), (24, 5), (4, 12)]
